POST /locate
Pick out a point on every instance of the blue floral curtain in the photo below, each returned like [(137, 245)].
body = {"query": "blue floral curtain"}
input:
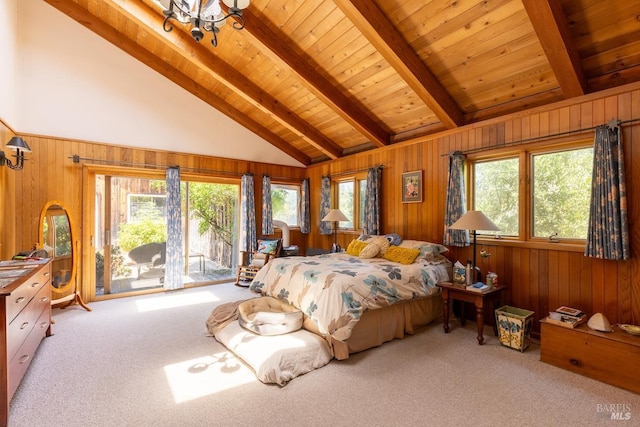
[(267, 208), (608, 234), (305, 208), (174, 266), (372, 202), (248, 215), (325, 205), (456, 202)]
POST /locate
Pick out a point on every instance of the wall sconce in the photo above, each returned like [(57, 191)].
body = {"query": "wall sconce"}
[(20, 146)]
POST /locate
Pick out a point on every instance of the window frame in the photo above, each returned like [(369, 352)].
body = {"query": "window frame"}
[(298, 188), (356, 179), (525, 154)]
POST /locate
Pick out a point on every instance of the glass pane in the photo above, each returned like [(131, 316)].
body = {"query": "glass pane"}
[(561, 193), (496, 193), (131, 238), (212, 231), (346, 202), (285, 202), (363, 192)]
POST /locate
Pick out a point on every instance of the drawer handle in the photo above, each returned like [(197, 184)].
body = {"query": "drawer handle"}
[(19, 300), (24, 359), (574, 362), (46, 273), (24, 325), (44, 325), (35, 284), (44, 299)]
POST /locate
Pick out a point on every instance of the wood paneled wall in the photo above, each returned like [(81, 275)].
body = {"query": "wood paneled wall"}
[(7, 199), (51, 174), (540, 276)]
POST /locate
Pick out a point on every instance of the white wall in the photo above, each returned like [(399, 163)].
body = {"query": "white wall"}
[(8, 61), (73, 84)]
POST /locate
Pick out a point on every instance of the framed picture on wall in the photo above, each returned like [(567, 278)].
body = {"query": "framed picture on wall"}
[(412, 187)]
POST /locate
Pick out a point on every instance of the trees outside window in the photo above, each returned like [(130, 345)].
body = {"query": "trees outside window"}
[(537, 193)]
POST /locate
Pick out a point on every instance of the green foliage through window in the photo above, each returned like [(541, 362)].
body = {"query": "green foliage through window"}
[(559, 192), (562, 193), (285, 203), (496, 193), (346, 202)]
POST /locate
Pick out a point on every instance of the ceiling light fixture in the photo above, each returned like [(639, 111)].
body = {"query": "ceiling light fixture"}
[(20, 146), (203, 15)]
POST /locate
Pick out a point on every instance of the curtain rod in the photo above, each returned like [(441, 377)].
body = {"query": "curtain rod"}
[(76, 159), (353, 171), (540, 138)]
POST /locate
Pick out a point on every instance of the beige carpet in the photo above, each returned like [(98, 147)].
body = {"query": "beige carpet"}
[(146, 361)]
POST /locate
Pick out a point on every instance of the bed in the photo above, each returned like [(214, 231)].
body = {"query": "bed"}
[(356, 301)]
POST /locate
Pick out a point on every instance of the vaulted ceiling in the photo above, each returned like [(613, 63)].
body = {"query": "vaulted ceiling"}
[(321, 79)]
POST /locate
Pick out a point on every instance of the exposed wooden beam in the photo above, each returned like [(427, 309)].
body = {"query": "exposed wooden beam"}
[(550, 24), (87, 17), (381, 33), (183, 44), (280, 49)]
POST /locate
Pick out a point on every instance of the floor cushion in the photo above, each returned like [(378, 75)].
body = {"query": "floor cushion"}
[(276, 359), (269, 316)]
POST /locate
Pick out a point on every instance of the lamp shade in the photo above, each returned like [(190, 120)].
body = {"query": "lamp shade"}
[(474, 220), (17, 143), (335, 215)]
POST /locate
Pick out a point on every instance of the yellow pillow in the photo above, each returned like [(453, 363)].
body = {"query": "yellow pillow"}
[(355, 247), (401, 255)]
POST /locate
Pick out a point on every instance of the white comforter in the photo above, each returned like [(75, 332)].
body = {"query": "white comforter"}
[(336, 289)]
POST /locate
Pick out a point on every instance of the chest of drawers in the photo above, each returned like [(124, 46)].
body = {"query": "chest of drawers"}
[(25, 319)]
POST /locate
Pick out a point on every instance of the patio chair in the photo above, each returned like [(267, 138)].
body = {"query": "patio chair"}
[(150, 259)]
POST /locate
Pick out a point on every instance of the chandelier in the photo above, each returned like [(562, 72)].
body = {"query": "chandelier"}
[(203, 15)]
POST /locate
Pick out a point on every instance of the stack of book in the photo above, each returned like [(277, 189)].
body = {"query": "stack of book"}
[(567, 317), (478, 287)]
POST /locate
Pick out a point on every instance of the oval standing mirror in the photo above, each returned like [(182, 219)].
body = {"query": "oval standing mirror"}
[(56, 237)]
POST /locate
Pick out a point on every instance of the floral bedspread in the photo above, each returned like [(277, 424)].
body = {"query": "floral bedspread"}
[(336, 289)]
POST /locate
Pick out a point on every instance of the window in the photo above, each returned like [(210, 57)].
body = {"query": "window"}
[(346, 202), (141, 206), (540, 193), (350, 194), (497, 193), (561, 193), (285, 202)]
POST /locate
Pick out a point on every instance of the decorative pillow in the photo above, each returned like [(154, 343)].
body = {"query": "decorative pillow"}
[(401, 255), (370, 251), (268, 246), (382, 242), (394, 239), (355, 247), (425, 247)]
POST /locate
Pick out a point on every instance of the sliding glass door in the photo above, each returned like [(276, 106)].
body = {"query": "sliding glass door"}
[(130, 229)]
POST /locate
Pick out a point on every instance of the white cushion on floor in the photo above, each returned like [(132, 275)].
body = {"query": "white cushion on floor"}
[(276, 358)]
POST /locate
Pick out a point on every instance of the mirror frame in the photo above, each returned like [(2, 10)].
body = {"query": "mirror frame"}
[(70, 286)]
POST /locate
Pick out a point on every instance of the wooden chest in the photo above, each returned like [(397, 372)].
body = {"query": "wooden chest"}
[(25, 319), (612, 357)]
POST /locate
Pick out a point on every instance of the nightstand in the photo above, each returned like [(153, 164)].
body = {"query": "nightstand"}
[(451, 292)]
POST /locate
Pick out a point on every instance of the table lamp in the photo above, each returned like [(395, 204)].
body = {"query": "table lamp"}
[(335, 215), (472, 221)]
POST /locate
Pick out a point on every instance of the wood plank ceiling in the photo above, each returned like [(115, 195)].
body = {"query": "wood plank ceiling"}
[(321, 79)]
